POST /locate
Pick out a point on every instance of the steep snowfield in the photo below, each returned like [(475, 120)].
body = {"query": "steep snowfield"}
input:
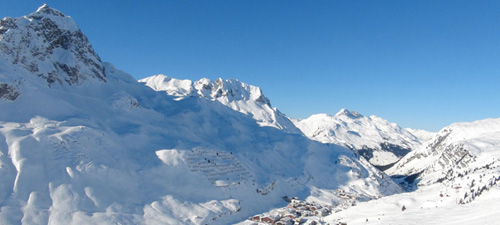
[(84, 143), (376, 139), (239, 96)]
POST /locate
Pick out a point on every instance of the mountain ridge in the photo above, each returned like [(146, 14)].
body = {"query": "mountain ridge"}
[(239, 96), (381, 142), (105, 149), (463, 154)]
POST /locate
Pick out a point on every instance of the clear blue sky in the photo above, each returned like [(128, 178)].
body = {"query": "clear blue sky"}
[(421, 64)]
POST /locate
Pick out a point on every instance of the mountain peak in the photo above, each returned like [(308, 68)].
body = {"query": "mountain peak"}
[(44, 14), (348, 113), (50, 45), (235, 90), (379, 141), (223, 90), (239, 96), (45, 9)]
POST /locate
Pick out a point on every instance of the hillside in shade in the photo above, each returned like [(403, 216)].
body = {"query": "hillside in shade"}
[(82, 142)]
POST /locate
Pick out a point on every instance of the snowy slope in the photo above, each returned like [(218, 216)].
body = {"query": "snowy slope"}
[(435, 204), (465, 155), (376, 139), (243, 98), (422, 135), (84, 143), (423, 207)]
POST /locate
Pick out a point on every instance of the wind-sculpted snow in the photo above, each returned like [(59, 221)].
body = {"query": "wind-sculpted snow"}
[(381, 142), (78, 172), (118, 152)]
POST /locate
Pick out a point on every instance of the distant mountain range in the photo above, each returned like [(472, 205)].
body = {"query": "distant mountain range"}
[(379, 141)]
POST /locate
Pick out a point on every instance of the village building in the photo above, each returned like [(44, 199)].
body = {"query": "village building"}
[(296, 202), (285, 221), (271, 219), (295, 213), (321, 212)]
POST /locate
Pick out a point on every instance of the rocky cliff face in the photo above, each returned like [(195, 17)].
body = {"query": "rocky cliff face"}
[(8, 92), (50, 45)]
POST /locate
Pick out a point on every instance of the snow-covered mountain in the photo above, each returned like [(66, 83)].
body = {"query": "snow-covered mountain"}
[(50, 45), (422, 135), (241, 97), (465, 155), (84, 143), (381, 142), (456, 176)]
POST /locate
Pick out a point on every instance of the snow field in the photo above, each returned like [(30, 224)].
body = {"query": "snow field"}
[(424, 206), (84, 143)]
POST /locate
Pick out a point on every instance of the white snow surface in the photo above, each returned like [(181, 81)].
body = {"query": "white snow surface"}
[(241, 97), (96, 147), (424, 206), (457, 149), (437, 203), (62, 21), (356, 131), (422, 135)]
